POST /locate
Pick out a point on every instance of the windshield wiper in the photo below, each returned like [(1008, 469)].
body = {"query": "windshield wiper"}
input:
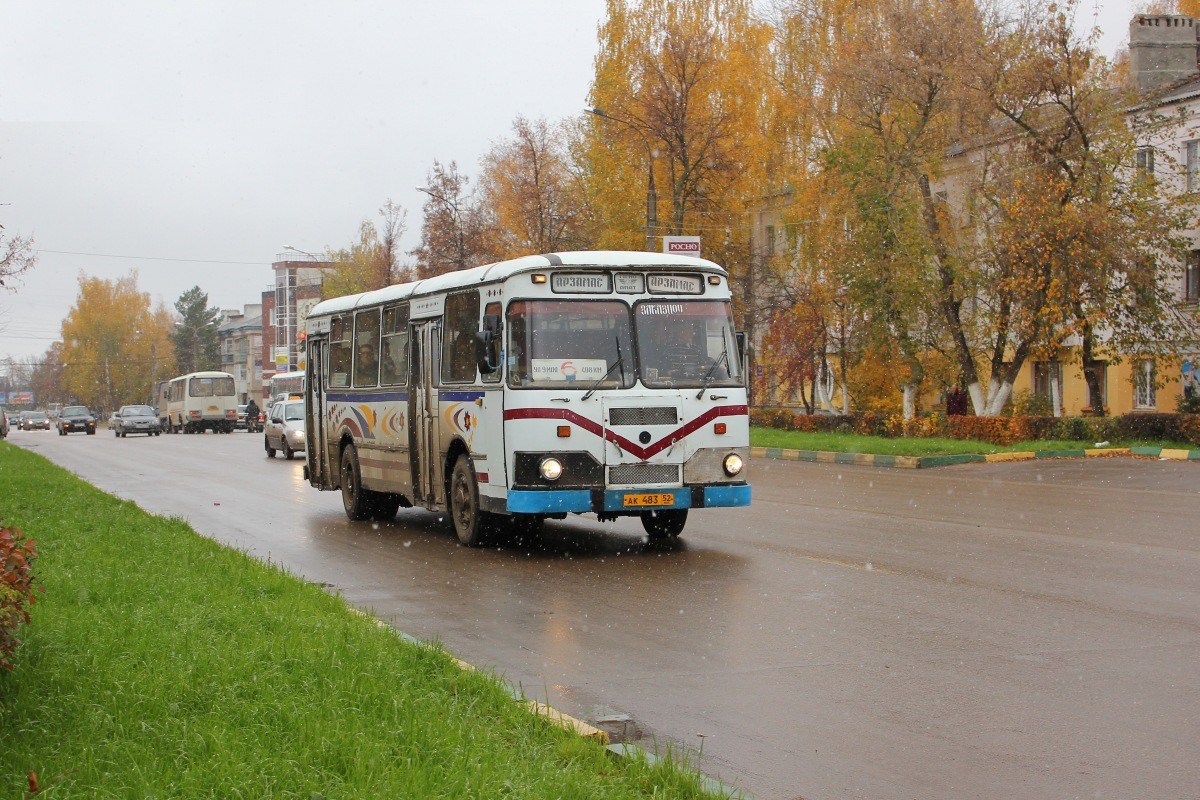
[(620, 362), (708, 375)]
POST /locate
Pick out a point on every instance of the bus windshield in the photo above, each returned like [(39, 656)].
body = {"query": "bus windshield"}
[(686, 343), (211, 387), (575, 344)]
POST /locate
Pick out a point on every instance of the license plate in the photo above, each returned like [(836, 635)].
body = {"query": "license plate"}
[(649, 500)]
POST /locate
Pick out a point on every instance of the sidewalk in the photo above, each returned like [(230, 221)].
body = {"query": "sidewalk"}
[(924, 462)]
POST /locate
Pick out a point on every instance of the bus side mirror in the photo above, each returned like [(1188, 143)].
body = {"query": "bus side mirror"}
[(487, 351), (741, 346)]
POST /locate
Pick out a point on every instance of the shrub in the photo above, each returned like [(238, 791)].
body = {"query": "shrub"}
[(16, 589), (1029, 404), (1189, 405)]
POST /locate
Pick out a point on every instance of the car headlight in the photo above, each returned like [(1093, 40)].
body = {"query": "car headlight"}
[(551, 469), (733, 464)]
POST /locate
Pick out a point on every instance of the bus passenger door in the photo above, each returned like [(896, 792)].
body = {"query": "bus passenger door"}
[(314, 409), (425, 436)]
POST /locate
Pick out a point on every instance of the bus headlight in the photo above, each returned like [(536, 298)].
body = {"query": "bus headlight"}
[(733, 464), (551, 469)]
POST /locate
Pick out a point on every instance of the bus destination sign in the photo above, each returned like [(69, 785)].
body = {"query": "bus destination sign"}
[(675, 284), (581, 283)]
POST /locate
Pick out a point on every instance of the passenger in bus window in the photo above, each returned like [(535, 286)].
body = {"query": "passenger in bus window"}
[(366, 368)]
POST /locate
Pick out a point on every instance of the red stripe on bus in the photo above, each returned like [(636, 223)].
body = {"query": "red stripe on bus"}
[(643, 453)]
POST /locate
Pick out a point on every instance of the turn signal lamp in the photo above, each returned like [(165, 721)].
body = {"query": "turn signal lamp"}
[(564, 431), (714, 280), (538, 277), (719, 428)]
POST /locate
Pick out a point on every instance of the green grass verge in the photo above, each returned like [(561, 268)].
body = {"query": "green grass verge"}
[(852, 443), (161, 664)]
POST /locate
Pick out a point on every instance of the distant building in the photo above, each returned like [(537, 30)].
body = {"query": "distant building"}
[(285, 307), (239, 336)]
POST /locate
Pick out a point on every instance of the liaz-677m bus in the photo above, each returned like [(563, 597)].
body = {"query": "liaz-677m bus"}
[(588, 382)]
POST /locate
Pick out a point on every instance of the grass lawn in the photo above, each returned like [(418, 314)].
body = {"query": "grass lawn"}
[(161, 664), (851, 443)]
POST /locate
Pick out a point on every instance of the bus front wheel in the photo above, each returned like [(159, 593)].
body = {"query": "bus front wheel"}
[(663, 524), (464, 503), (355, 499)]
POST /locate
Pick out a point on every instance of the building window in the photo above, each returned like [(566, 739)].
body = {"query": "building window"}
[(1191, 159), (1143, 384), (1043, 373), (1191, 277), (1145, 161)]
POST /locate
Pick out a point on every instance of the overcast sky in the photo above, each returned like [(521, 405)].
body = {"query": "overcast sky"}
[(192, 142)]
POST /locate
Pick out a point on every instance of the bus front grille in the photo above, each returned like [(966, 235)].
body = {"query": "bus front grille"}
[(643, 474), (643, 415)]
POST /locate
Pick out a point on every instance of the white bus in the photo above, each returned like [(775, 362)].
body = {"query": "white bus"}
[(533, 388), (201, 401), (284, 385)]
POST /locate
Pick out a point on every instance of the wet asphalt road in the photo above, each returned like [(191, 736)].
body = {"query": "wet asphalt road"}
[(981, 631)]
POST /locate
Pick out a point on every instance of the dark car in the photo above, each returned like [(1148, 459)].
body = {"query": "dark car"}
[(35, 421), (76, 418), (135, 419)]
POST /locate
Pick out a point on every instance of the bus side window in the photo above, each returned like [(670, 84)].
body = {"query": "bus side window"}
[(458, 346), (339, 353), (394, 363), (366, 347), (497, 345)]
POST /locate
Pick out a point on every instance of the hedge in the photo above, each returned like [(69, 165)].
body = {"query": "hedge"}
[(994, 430)]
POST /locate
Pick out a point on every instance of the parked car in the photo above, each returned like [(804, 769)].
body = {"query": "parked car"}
[(136, 419), (284, 429), (35, 421), (76, 418)]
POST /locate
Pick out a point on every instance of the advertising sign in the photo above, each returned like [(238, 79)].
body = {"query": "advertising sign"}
[(580, 369), (682, 245)]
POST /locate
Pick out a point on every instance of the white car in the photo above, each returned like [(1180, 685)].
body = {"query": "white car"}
[(284, 429)]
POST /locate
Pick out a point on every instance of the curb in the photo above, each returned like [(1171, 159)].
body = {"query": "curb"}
[(926, 462), (564, 721)]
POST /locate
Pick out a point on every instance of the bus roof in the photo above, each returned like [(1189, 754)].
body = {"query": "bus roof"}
[(611, 259)]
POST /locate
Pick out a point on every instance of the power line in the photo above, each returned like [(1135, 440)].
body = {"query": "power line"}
[(157, 258)]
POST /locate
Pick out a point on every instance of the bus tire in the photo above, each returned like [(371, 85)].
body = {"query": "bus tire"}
[(664, 524), (385, 507), (464, 503), (357, 501)]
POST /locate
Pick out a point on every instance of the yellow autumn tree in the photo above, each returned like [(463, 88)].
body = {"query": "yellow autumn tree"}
[(114, 344), (373, 261), (534, 192), (679, 136)]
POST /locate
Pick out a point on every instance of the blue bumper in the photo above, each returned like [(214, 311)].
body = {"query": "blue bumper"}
[(578, 501)]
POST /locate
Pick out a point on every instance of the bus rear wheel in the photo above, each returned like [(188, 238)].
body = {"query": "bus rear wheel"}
[(355, 499), (664, 524), (464, 503)]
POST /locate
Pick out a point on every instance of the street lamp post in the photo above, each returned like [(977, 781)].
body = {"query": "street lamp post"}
[(460, 260), (651, 190)]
